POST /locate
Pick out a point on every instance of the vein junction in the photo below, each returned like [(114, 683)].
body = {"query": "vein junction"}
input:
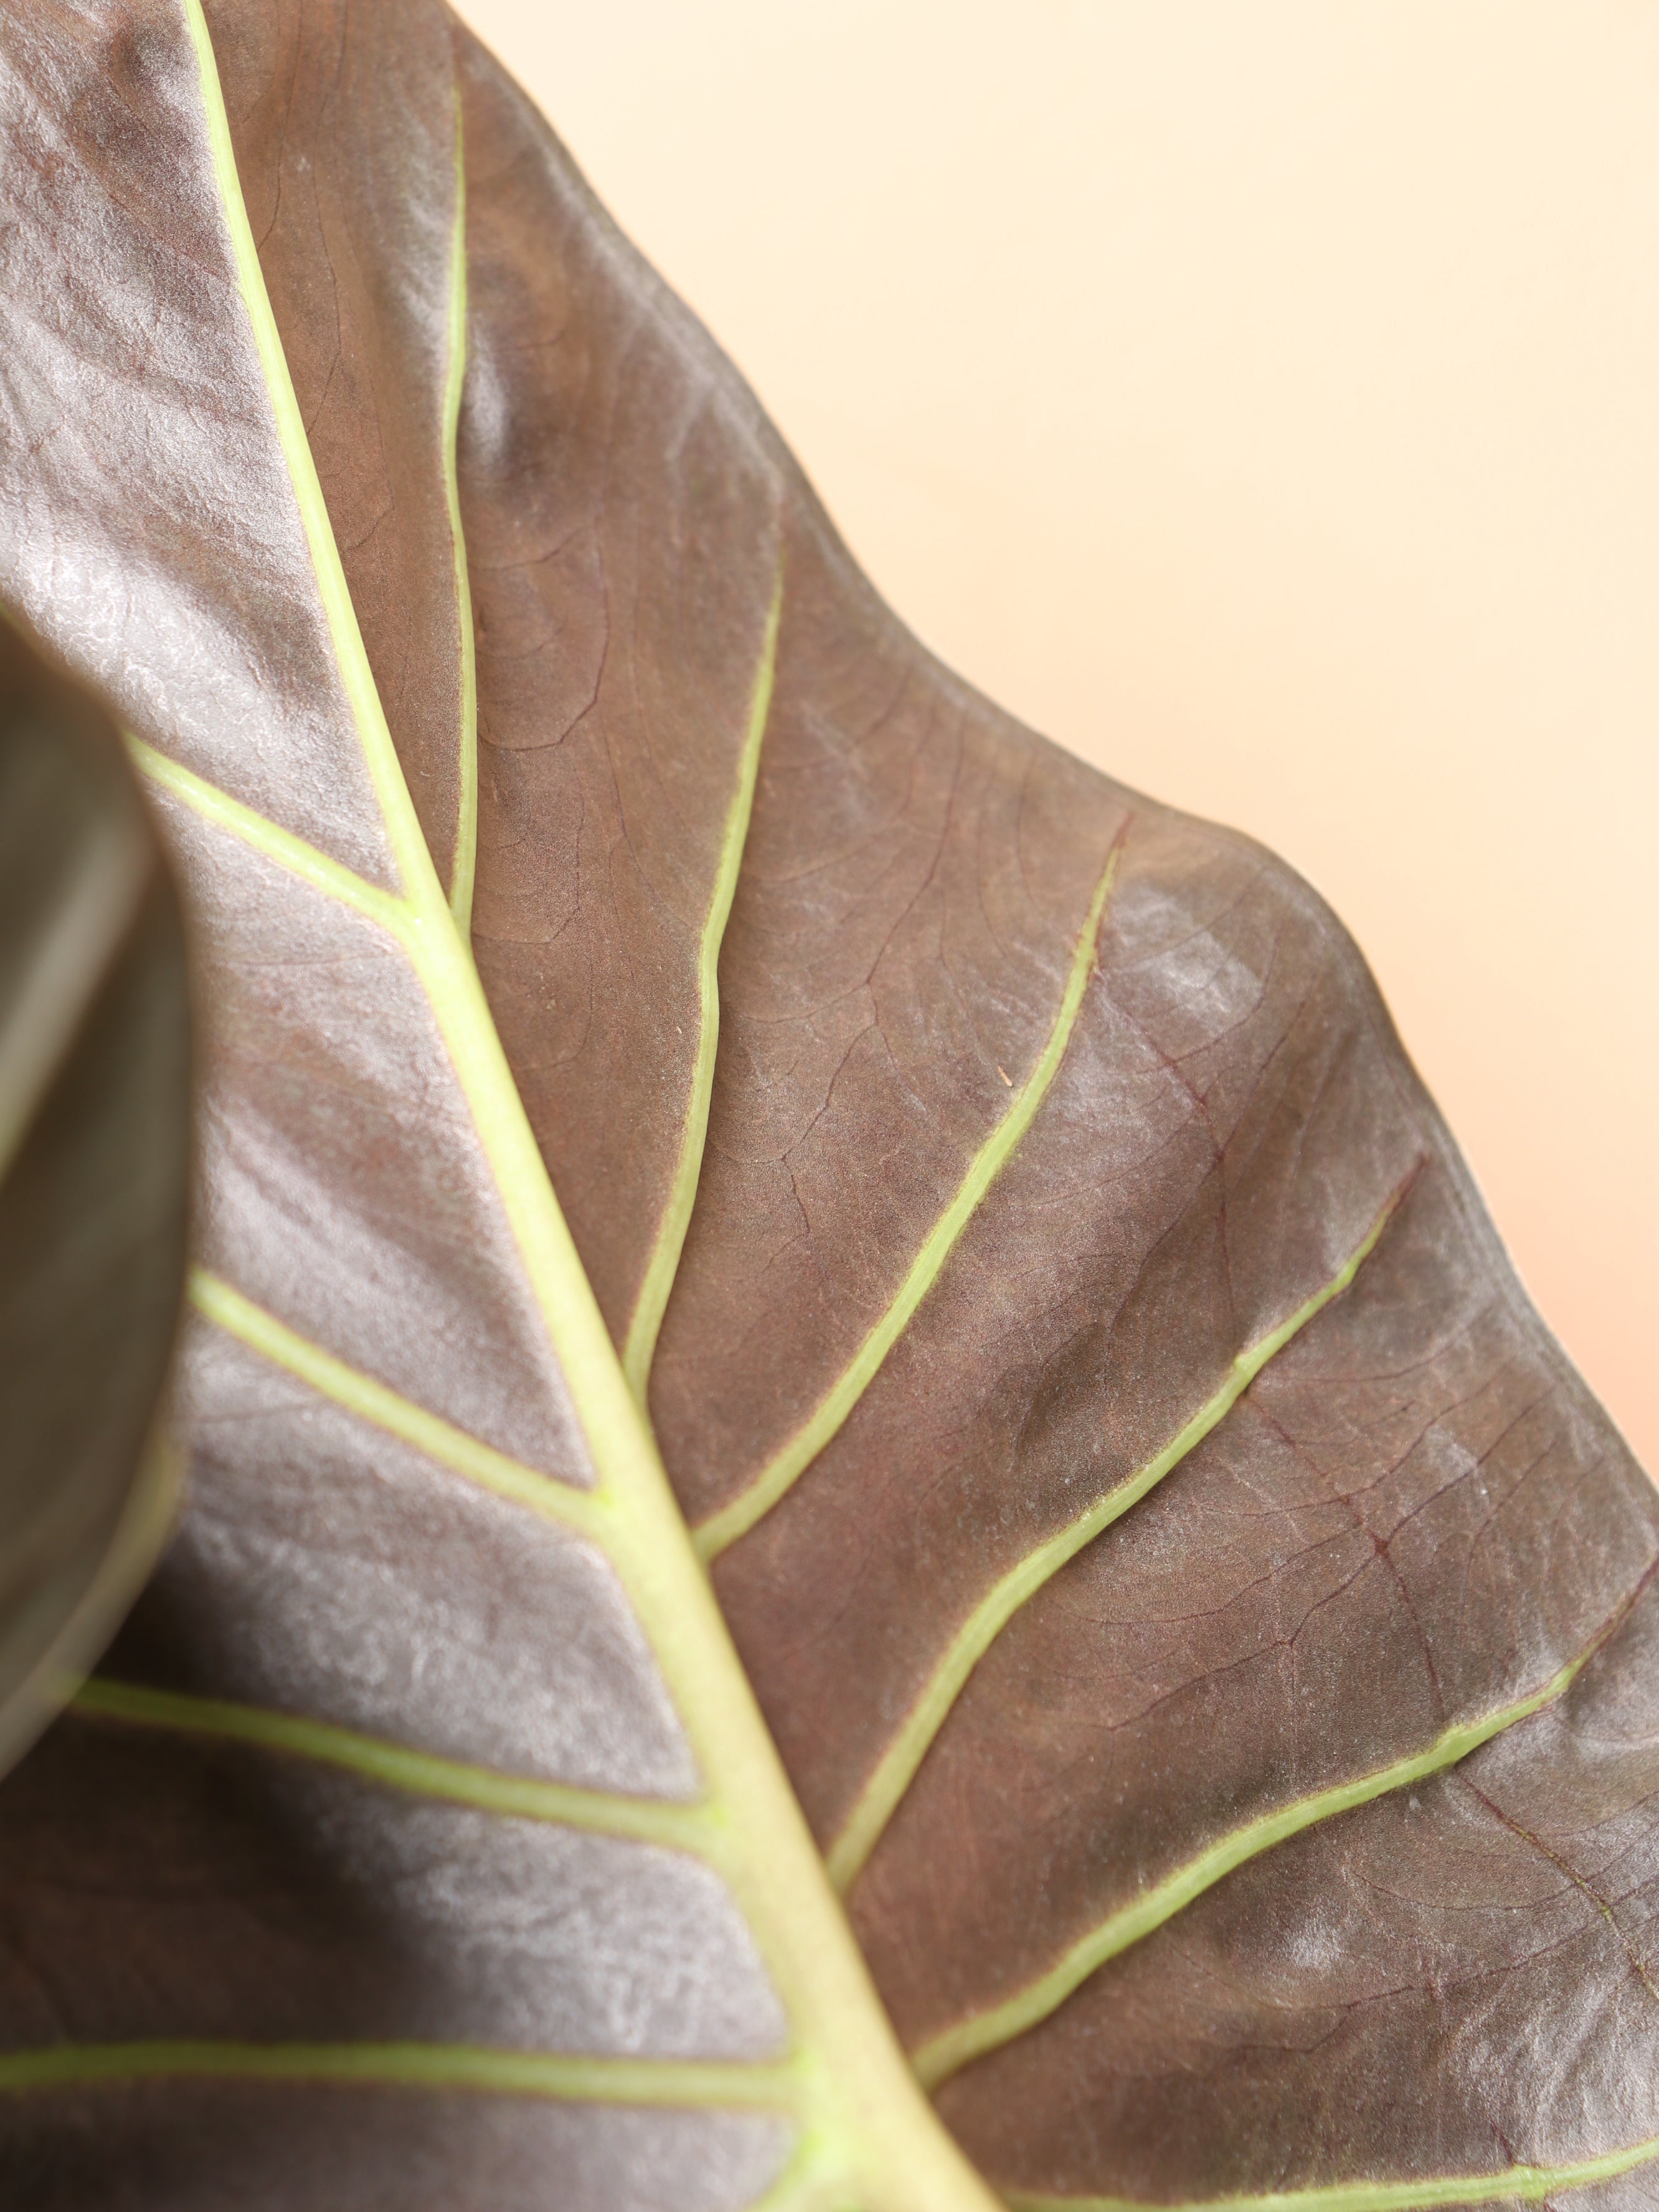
[(786, 1465), (701, 1829), (374, 1402), (707, 1828)]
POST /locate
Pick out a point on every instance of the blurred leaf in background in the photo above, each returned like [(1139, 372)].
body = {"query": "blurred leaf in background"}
[(94, 1112)]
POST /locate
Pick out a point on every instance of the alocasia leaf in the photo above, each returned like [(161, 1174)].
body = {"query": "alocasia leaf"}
[(95, 1172), (1005, 1287)]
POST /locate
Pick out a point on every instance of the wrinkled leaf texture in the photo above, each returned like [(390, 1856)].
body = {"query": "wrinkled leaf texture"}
[(1207, 1629), (95, 1178)]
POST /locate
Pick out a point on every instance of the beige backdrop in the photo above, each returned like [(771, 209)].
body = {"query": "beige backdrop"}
[(1263, 400)]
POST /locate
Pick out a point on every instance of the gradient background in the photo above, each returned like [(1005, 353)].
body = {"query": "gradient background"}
[(1264, 401)]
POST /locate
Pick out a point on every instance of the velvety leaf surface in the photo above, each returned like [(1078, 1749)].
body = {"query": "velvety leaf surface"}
[(95, 1127), (1206, 1625)]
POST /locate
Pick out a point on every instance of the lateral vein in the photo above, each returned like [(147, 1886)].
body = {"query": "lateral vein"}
[(423, 1774), (374, 1402), (936, 2060), (464, 873), (787, 1464), (330, 877), (884, 1790), (601, 2081), (1529, 2184), (664, 1263)]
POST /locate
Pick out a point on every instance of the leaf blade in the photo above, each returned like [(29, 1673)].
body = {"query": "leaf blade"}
[(1223, 1122)]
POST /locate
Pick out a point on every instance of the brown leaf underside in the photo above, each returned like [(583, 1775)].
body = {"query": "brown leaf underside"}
[(1412, 1521)]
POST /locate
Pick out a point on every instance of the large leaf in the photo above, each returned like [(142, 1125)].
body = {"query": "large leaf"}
[(1206, 1630), (94, 1118)]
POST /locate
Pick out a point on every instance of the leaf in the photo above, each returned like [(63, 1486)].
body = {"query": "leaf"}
[(1206, 1628), (95, 1072)]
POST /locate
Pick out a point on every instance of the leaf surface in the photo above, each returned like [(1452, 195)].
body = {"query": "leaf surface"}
[(701, 1106)]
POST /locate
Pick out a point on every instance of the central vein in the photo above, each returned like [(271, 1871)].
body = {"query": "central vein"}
[(888, 2148)]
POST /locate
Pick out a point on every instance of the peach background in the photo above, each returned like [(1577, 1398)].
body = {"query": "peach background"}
[(1264, 401)]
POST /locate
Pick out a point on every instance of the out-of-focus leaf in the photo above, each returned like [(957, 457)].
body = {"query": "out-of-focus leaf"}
[(94, 1116), (999, 1252)]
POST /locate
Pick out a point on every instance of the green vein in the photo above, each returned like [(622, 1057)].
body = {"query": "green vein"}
[(880, 1797), (935, 2061), (464, 873), (330, 877), (688, 2081), (664, 1263), (385, 1408), (401, 825), (694, 1828), (786, 1465), (1525, 2185)]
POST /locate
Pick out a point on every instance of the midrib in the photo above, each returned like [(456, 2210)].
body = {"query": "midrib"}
[(892, 2146)]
